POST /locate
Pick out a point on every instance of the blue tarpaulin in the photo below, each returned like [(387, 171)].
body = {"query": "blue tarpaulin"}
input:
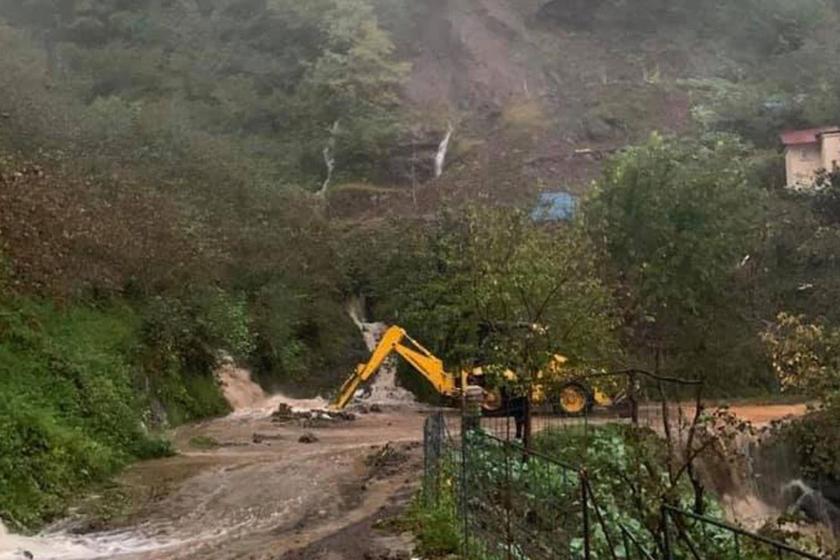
[(555, 207)]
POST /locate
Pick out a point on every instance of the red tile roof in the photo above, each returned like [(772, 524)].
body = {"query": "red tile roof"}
[(807, 136)]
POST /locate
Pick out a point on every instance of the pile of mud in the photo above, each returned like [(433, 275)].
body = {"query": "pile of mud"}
[(389, 459)]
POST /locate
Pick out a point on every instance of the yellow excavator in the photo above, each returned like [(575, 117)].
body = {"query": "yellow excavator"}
[(554, 388)]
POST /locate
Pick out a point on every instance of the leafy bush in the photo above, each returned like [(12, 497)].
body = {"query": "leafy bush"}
[(805, 356), (435, 525), (68, 414), (43, 461), (197, 325), (628, 469), (629, 478), (815, 440)]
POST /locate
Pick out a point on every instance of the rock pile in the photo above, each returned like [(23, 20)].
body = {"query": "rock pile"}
[(286, 413)]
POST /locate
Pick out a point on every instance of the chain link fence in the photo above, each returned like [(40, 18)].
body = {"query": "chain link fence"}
[(512, 502)]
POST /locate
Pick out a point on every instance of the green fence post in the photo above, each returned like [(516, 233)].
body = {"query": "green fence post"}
[(666, 533), (470, 421), (584, 501)]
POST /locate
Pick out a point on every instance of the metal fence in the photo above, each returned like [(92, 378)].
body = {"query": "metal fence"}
[(516, 509), (513, 503), (636, 397), (696, 537), (512, 508)]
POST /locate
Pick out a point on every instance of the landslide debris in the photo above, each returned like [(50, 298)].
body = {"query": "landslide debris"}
[(389, 459), (314, 418)]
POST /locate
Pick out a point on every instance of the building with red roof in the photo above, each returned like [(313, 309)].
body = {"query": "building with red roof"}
[(808, 152)]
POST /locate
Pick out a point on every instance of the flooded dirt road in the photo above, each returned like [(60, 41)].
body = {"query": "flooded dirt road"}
[(244, 486), (258, 493)]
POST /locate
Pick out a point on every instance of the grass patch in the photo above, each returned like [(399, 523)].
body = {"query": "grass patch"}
[(189, 396), (68, 413), (435, 526)]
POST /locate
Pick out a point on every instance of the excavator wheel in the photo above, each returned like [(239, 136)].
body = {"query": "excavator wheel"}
[(493, 402), (573, 399)]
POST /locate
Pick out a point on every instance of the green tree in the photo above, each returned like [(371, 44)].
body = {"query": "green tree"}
[(675, 218), (489, 285), (805, 356), (352, 89)]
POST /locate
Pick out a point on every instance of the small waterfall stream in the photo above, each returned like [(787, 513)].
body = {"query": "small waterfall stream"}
[(383, 389), (443, 149), (329, 158)]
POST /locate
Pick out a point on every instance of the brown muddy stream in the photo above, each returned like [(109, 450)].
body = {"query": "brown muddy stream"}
[(260, 494)]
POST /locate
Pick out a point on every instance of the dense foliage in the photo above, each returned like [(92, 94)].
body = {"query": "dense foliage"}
[(675, 219), (86, 424), (530, 508), (208, 83), (806, 358), (483, 286)]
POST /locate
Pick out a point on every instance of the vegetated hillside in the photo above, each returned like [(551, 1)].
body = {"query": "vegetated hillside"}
[(159, 161), (541, 93)]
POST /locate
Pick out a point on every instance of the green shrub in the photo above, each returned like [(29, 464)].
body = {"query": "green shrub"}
[(435, 525), (197, 324), (182, 338), (68, 415), (185, 395), (810, 446)]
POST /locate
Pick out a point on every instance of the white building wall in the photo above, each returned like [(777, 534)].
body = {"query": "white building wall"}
[(802, 163), (831, 151)]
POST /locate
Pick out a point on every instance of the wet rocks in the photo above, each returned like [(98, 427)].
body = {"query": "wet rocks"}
[(262, 438), (388, 459), (308, 437), (367, 409), (315, 418)]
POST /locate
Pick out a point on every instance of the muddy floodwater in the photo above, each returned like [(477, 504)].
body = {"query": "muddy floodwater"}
[(259, 494)]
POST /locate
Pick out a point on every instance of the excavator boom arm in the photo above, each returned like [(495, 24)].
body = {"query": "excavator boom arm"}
[(414, 353)]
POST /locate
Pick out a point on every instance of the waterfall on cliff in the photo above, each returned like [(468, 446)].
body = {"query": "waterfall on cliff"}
[(440, 156)]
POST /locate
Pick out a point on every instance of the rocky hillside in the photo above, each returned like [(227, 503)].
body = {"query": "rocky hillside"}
[(541, 92)]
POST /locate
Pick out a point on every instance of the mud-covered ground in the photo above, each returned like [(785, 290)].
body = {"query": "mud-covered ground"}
[(244, 486)]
